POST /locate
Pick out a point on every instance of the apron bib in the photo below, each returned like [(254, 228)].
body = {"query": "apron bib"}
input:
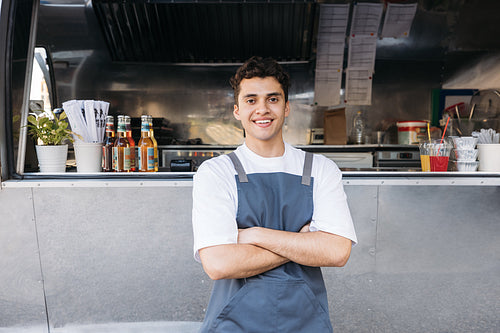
[(288, 298)]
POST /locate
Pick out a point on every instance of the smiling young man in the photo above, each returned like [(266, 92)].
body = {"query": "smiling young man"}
[(267, 217)]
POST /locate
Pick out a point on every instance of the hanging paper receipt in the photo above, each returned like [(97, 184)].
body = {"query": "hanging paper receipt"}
[(398, 20), (359, 86), (362, 52), (330, 53), (366, 19), (333, 21), (327, 87)]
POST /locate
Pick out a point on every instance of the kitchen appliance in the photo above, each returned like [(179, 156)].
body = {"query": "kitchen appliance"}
[(316, 136), (181, 165), (358, 160), (397, 159), (188, 158)]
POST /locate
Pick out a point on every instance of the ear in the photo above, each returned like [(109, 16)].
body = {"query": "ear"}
[(287, 109), (236, 112)]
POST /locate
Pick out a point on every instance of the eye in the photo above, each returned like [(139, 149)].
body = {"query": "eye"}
[(250, 101), (273, 99)]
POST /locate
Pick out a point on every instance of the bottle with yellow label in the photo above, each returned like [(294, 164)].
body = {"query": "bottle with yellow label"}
[(121, 148), (128, 130), (107, 148), (154, 141), (145, 148)]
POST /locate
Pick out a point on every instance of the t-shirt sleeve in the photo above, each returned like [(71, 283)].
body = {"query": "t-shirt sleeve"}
[(214, 202), (331, 211)]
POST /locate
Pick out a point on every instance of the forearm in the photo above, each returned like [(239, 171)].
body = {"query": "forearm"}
[(236, 261), (319, 249)]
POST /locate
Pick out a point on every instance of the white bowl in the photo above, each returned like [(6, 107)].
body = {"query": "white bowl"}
[(467, 165), (465, 142), (466, 154)]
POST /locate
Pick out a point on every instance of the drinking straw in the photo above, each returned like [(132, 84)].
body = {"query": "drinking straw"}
[(428, 132), (472, 111), (458, 113), (442, 137), (445, 127)]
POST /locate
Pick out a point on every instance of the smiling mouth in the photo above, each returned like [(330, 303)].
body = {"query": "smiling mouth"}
[(267, 121)]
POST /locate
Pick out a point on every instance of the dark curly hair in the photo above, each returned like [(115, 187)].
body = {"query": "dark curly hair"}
[(260, 67)]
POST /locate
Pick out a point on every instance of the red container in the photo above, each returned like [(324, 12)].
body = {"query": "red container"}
[(439, 163)]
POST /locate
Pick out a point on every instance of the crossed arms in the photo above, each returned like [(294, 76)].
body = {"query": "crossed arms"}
[(260, 249)]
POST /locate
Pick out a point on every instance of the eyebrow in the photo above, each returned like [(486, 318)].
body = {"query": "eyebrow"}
[(268, 95)]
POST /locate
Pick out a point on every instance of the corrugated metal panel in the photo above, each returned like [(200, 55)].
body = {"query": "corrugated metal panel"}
[(194, 32)]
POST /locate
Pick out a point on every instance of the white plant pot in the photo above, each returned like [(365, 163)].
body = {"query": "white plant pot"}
[(52, 158)]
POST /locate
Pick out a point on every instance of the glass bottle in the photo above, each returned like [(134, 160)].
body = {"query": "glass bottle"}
[(107, 148), (145, 148), (155, 143), (128, 129), (358, 128), (121, 148)]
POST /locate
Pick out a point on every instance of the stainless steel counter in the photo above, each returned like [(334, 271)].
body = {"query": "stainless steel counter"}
[(86, 252), (168, 179)]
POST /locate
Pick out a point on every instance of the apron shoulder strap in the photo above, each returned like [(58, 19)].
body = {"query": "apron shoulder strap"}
[(306, 173), (242, 176)]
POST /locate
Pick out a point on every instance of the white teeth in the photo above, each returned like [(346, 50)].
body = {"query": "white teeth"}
[(262, 121)]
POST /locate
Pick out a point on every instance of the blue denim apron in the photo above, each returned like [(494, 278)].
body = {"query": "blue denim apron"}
[(289, 298)]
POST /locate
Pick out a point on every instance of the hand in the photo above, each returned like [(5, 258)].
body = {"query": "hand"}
[(247, 236), (250, 235), (305, 228)]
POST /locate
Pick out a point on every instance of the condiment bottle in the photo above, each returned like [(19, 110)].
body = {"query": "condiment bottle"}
[(154, 141), (359, 128), (145, 148), (121, 148), (128, 130), (107, 148)]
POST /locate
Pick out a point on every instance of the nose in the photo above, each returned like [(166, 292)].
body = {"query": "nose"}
[(261, 107)]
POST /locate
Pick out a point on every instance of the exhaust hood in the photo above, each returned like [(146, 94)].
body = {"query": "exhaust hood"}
[(206, 31)]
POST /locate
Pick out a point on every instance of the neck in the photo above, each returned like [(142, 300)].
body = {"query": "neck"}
[(267, 149)]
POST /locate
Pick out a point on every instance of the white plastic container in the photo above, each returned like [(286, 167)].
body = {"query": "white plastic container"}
[(466, 154), (466, 166), (411, 132), (88, 157), (489, 157), (465, 142)]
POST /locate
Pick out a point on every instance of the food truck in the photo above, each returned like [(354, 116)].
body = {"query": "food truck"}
[(371, 82)]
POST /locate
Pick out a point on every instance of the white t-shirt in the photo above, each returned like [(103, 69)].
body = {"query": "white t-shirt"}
[(215, 196)]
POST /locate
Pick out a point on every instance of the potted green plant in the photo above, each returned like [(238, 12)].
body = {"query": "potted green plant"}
[(51, 133)]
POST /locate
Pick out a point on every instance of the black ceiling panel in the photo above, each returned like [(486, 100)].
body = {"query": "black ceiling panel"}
[(206, 32)]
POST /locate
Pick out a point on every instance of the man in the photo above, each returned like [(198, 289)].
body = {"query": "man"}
[(267, 217)]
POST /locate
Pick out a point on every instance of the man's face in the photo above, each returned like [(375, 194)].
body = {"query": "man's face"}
[(262, 110)]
